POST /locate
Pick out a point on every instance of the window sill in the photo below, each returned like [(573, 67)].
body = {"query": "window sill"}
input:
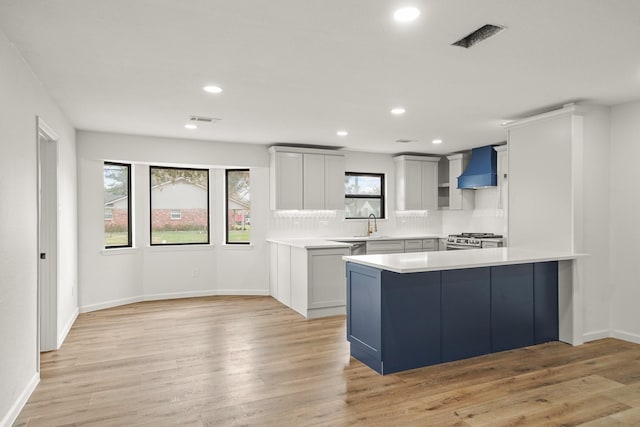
[(238, 247), (179, 248), (119, 251), (365, 219)]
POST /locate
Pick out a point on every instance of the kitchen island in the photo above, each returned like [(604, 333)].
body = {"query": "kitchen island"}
[(406, 311)]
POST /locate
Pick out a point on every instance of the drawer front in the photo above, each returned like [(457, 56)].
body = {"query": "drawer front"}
[(430, 245), (413, 245), (385, 246)]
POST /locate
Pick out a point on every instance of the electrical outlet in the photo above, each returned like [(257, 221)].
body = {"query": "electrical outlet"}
[(196, 273)]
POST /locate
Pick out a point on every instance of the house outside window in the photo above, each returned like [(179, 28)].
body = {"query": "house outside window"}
[(108, 212), (179, 206), (238, 206), (117, 205), (364, 195)]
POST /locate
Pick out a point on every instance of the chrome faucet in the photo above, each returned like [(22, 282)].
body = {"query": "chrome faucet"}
[(375, 225)]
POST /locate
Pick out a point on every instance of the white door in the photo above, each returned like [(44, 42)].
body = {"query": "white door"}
[(47, 238)]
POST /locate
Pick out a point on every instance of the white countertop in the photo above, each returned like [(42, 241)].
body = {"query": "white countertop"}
[(339, 242), (310, 243), (384, 237), (452, 260)]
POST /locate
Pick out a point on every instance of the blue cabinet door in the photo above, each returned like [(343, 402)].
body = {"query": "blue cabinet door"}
[(511, 307), (410, 320), (364, 315), (466, 313), (545, 285)]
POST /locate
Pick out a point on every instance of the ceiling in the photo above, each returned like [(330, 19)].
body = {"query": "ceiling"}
[(297, 71)]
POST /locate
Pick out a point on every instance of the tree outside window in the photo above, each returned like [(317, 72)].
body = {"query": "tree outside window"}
[(364, 195), (238, 206)]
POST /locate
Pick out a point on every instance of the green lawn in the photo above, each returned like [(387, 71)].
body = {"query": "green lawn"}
[(165, 237), (115, 239), (239, 235)]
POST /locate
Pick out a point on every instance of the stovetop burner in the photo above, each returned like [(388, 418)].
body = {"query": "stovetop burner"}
[(478, 235)]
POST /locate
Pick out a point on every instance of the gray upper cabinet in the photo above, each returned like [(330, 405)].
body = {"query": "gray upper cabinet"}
[(306, 179), (286, 180), (416, 182), (459, 199)]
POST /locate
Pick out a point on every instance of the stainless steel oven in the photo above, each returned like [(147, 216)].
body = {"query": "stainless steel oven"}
[(456, 242)]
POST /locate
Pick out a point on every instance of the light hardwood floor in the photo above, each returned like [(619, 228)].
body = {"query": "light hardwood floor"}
[(221, 361)]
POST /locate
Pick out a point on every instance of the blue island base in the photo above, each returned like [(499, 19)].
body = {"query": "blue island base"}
[(405, 321)]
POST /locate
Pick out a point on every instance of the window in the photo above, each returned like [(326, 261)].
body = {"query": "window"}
[(179, 206), (238, 206), (364, 195), (117, 205)]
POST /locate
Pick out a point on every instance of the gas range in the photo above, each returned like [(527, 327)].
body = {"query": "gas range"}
[(474, 241)]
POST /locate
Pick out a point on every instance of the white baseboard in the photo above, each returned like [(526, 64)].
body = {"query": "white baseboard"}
[(207, 293), (109, 304), (626, 336), (172, 295), (17, 406), (327, 311), (597, 335), (63, 334)]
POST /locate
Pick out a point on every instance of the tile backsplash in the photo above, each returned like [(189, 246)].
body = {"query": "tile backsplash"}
[(332, 223), (486, 217)]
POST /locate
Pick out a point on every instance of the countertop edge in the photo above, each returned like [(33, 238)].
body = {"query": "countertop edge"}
[(531, 258), (310, 243)]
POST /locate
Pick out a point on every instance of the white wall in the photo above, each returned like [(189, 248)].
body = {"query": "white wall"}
[(595, 231), (23, 98), (625, 212), (117, 276), (484, 218)]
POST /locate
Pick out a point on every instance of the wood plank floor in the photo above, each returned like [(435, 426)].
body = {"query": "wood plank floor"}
[(226, 361)]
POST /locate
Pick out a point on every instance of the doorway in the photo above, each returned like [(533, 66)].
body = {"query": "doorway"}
[(47, 152)]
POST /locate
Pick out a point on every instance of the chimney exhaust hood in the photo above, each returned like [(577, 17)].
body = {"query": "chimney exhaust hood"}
[(482, 169)]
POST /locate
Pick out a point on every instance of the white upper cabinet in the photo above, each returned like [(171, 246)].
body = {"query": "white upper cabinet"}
[(313, 181), (286, 180), (334, 182), (416, 182), (459, 199), (306, 179)]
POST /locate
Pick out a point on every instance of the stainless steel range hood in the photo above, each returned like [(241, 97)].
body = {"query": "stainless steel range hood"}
[(482, 169)]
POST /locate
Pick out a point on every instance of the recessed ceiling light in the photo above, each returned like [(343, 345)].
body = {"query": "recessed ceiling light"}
[(342, 133), (406, 14), (212, 89), (436, 141), (398, 111), (190, 126)]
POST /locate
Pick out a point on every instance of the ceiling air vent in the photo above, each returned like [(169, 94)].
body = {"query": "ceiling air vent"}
[(203, 119), (479, 35)]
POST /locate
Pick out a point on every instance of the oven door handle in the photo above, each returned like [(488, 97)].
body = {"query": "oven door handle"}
[(454, 246)]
